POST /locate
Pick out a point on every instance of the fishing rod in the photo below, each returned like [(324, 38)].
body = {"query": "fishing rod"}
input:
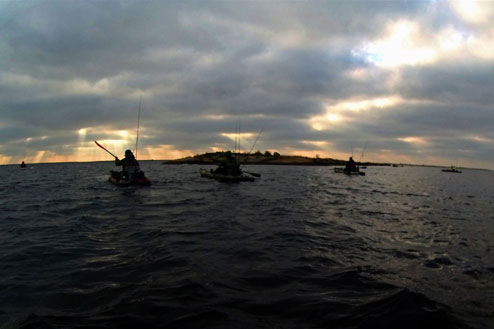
[(138, 123), (255, 142), (362, 155), (237, 147)]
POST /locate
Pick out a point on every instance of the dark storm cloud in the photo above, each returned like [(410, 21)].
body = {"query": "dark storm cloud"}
[(275, 131), (70, 112), (453, 81), (68, 65)]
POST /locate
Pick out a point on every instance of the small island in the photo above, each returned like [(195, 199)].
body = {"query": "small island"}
[(266, 158)]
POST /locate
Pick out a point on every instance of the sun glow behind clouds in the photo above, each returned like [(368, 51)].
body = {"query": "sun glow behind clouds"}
[(357, 106), (234, 137), (402, 46), (337, 114), (480, 139), (316, 143), (413, 140), (476, 12)]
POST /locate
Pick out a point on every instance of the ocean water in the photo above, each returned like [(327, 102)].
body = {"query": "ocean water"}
[(302, 247)]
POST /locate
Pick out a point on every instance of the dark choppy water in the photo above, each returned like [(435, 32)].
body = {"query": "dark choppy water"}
[(303, 247)]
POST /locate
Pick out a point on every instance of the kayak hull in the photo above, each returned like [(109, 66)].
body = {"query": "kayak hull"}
[(350, 173), (223, 178), (142, 181), (451, 170)]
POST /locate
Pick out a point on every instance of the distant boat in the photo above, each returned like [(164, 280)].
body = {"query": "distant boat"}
[(452, 169)]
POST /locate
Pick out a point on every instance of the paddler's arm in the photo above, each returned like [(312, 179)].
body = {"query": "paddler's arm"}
[(118, 162)]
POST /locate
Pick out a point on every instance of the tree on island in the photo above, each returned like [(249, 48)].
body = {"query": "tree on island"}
[(267, 153)]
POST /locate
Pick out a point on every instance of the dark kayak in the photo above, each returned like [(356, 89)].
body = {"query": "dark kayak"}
[(132, 182), (116, 179), (225, 178), (452, 170), (346, 172)]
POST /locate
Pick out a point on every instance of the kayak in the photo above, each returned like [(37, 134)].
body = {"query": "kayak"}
[(452, 170), (225, 178), (143, 181), (350, 173), (140, 180)]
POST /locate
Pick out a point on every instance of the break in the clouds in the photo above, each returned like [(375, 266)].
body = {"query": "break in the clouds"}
[(412, 80)]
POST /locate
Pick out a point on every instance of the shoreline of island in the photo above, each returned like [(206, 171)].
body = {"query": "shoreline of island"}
[(266, 158)]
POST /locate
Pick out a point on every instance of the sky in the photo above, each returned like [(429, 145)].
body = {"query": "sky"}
[(384, 81)]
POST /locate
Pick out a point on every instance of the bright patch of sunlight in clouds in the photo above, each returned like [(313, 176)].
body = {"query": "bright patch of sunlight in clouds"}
[(413, 140), (477, 12), (481, 139), (316, 143), (402, 46), (234, 137), (363, 105), (335, 114)]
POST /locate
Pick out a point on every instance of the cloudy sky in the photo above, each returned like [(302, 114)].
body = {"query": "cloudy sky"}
[(411, 81)]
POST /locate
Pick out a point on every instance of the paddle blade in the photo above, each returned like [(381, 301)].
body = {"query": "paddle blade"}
[(105, 149)]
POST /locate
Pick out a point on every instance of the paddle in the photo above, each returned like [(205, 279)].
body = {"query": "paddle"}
[(105, 149), (252, 173)]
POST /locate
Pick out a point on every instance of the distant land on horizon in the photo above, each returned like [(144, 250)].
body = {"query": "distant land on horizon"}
[(266, 158)]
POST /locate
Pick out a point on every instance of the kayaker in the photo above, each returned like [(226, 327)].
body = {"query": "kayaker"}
[(129, 164), (23, 165), (351, 166), (229, 166)]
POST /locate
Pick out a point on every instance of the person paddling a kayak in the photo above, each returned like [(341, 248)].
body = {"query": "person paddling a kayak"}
[(23, 165), (229, 166), (129, 164), (351, 166)]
